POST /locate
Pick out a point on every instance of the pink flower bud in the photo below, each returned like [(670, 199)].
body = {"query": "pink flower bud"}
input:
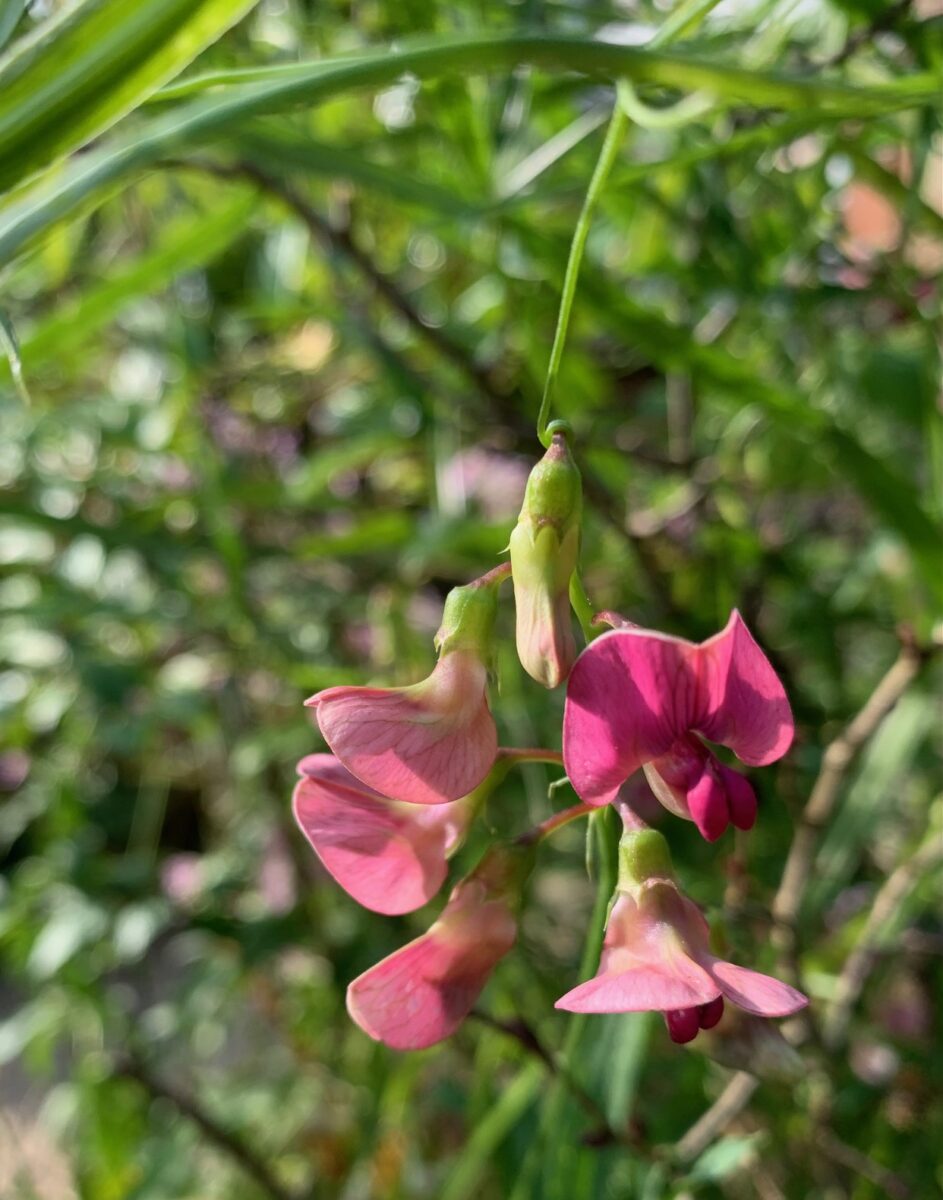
[(420, 994), (390, 856), (545, 548), (636, 697), (433, 741)]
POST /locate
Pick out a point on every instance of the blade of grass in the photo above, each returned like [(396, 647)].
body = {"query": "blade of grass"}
[(81, 71), (188, 243), (60, 193)]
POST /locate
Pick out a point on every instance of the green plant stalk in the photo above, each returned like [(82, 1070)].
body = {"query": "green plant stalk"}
[(607, 156)]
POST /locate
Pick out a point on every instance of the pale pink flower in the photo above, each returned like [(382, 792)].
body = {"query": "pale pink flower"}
[(657, 957), (420, 994), (433, 741), (390, 856), (427, 743), (638, 698)]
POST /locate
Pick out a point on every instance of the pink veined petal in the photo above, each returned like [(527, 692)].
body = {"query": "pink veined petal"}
[(395, 1003), (742, 704), (755, 993), (420, 994), (630, 695), (390, 856), (642, 989), (426, 744)]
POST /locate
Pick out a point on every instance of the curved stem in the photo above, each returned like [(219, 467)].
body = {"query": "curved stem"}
[(554, 822), (513, 755), (583, 607), (607, 156), (497, 574)]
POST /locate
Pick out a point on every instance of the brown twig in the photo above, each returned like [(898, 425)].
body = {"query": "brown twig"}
[(818, 811), (820, 806), (340, 240), (888, 1181), (887, 902), (728, 1105), (224, 1139)]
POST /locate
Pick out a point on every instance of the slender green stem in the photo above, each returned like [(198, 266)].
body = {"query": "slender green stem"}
[(607, 156), (497, 574), (554, 822), (583, 607), (687, 14)]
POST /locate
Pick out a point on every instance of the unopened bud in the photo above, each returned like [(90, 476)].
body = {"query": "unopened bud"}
[(545, 548)]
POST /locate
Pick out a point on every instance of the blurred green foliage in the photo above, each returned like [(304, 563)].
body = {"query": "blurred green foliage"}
[(283, 337)]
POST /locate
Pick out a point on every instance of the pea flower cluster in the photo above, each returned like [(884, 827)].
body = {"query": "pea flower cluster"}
[(410, 767)]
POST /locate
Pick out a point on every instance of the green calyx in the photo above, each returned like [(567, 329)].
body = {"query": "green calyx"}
[(554, 494), (643, 856), (468, 619), (505, 868)]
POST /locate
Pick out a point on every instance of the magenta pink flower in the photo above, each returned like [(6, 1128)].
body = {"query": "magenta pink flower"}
[(390, 856), (656, 955), (638, 698), (433, 741), (420, 994)]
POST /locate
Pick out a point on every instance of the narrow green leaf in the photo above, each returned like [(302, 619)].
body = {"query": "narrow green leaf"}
[(11, 349), (81, 71), (10, 13), (59, 193), (188, 243), (513, 1103)]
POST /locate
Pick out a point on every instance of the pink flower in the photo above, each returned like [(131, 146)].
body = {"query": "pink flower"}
[(656, 955), (420, 994), (638, 698), (390, 856), (433, 741)]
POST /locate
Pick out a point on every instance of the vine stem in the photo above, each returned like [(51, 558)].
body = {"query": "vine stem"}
[(518, 754), (554, 822), (607, 156)]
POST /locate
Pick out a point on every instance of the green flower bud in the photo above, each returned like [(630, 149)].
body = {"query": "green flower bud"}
[(545, 548)]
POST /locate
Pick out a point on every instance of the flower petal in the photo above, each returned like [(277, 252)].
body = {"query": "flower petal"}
[(421, 993), (755, 993), (743, 705), (683, 1024), (426, 744), (631, 694), (390, 856), (642, 989)]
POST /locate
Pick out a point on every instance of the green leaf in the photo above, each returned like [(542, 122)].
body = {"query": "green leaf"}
[(84, 69), (10, 13), (488, 1134), (60, 193), (187, 243), (723, 1158)]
